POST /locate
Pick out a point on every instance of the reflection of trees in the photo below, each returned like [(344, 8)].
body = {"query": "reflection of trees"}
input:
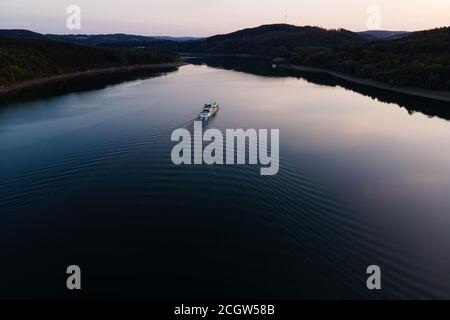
[(81, 84), (263, 68)]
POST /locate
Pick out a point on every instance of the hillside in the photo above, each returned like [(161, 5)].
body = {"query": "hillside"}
[(421, 59), (382, 34), (27, 58), (278, 40), (90, 39), (20, 33), (104, 39), (267, 40)]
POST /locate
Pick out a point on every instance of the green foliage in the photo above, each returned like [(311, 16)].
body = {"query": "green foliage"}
[(26, 59), (278, 40), (421, 59)]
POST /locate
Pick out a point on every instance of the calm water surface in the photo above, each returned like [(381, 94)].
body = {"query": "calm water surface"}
[(86, 179)]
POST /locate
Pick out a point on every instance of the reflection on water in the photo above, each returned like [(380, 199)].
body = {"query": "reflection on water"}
[(79, 85), (263, 67), (86, 178)]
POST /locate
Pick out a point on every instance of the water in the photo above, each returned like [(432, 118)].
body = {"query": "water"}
[(86, 179)]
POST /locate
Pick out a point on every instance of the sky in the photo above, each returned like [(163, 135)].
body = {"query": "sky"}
[(209, 17)]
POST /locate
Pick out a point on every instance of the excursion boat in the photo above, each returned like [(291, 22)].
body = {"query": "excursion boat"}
[(209, 110)]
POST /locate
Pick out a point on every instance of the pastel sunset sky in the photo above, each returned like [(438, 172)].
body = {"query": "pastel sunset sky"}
[(208, 17)]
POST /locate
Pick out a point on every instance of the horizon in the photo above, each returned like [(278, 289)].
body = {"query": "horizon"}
[(188, 18), (200, 37)]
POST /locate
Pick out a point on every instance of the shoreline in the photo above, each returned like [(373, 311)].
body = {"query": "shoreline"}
[(88, 73), (422, 93)]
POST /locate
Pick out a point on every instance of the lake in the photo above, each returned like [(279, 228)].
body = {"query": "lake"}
[(87, 179)]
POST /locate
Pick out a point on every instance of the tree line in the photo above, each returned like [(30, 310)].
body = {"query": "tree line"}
[(421, 60), (26, 59)]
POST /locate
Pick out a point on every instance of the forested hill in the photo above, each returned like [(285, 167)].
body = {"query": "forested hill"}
[(421, 59), (383, 34), (24, 59), (418, 59), (268, 39), (21, 33), (275, 40), (90, 39)]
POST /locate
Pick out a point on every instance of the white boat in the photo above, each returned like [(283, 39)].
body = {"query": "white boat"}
[(274, 66), (209, 109)]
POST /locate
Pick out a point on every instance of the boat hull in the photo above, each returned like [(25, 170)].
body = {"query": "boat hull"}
[(211, 112)]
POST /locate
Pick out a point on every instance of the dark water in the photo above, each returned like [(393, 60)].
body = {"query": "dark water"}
[(87, 179)]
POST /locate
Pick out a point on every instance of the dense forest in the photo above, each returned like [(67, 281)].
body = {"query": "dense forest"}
[(418, 59), (29, 58), (268, 40), (421, 59), (278, 40)]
